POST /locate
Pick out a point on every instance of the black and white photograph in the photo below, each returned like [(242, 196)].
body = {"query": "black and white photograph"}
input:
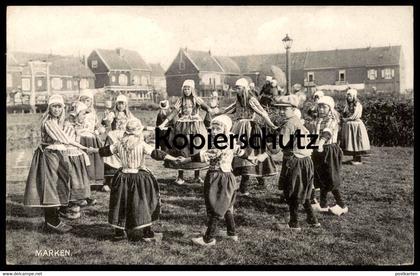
[(209, 135)]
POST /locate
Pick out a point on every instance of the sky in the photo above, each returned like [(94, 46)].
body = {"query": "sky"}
[(157, 32)]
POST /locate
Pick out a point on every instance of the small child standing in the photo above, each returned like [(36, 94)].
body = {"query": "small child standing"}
[(134, 200), (214, 108), (220, 184), (355, 139), (328, 158), (161, 117), (297, 172)]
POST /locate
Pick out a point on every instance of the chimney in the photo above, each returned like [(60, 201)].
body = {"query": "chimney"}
[(120, 52), (209, 52)]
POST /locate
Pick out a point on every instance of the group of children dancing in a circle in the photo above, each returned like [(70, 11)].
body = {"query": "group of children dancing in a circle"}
[(71, 157)]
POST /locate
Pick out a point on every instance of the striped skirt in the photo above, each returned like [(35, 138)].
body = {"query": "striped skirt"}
[(134, 200), (79, 179), (219, 192), (96, 168), (242, 166), (327, 167), (296, 178), (354, 138)]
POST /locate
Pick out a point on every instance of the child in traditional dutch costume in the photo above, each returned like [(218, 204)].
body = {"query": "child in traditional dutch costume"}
[(355, 139), (134, 199), (79, 160), (328, 158), (189, 122), (245, 109), (52, 180), (219, 185), (297, 172), (117, 120), (89, 136), (161, 117), (214, 108)]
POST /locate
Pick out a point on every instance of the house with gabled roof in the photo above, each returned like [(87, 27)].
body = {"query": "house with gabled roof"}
[(379, 69), (120, 70), (209, 72), (45, 74)]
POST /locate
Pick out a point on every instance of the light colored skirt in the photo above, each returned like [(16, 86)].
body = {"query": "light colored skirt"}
[(355, 139)]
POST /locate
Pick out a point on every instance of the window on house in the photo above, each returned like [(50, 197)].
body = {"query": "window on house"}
[(342, 75), (372, 74), (136, 80), (9, 80), (311, 76), (143, 80), (122, 79), (56, 83), (39, 83), (26, 84), (181, 65), (84, 84), (94, 63), (387, 73), (69, 85)]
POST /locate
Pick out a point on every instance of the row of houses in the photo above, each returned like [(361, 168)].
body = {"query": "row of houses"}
[(377, 69), (111, 71)]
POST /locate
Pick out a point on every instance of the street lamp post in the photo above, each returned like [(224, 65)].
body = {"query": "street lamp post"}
[(287, 41)]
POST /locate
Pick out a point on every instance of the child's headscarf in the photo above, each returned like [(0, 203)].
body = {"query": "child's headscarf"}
[(352, 92), (193, 96), (133, 134), (225, 121), (87, 94), (327, 100), (245, 95), (54, 99), (122, 98)]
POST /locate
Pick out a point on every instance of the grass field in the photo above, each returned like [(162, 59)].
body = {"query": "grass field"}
[(378, 230)]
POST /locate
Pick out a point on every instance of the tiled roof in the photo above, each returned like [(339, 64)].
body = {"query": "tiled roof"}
[(229, 66), (22, 58), (135, 60), (203, 60), (113, 60), (157, 70), (60, 65), (70, 66), (263, 63), (383, 55)]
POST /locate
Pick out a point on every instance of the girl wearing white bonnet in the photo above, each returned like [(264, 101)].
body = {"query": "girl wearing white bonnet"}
[(244, 110), (117, 119), (89, 137), (219, 185), (134, 200), (48, 184), (328, 158), (354, 139), (189, 121)]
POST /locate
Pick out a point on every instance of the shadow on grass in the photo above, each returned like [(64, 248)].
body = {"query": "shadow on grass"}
[(24, 225), (18, 210), (97, 231), (194, 204), (260, 204)]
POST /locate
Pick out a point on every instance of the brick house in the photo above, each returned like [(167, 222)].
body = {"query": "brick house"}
[(209, 72), (46, 74), (366, 69), (121, 71)]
